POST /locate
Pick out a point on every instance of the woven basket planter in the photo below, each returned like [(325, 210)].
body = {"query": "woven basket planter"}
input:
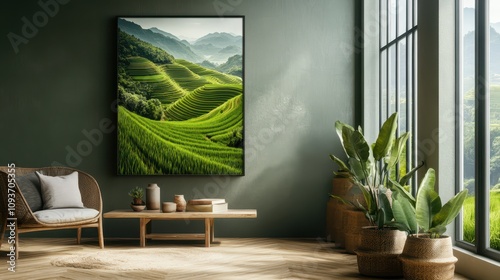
[(354, 221), (334, 210), (428, 258), (379, 251)]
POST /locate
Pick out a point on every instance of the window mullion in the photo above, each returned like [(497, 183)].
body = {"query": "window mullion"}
[(482, 122)]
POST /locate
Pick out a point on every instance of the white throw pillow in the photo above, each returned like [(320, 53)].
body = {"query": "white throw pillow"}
[(60, 191)]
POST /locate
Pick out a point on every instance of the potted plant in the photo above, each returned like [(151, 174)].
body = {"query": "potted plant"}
[(137, 203), (428, 255), (374, 170)]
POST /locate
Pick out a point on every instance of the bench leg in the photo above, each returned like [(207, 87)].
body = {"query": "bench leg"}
[(142, 232), (212, 230), (78, 235), (207, 231)]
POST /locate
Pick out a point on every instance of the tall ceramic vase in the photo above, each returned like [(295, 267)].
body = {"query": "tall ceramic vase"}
[(153, 200), (181, 202)]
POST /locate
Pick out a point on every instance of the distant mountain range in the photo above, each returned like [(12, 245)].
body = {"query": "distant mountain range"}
[(468, 28), (468, 23), (216, 47)]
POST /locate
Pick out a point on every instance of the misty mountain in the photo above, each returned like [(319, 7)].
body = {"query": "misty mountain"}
[(173, 46), (468, 28), (233, 66), (206, 49), (220, 40), (496, 25), (468, 62), (219, 47), (166, 34), (468, 23)]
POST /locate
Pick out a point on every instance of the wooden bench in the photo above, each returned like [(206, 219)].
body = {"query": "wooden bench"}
[(147, 216)]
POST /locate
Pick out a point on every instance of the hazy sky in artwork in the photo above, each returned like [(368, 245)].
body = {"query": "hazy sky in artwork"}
[(191, 28)]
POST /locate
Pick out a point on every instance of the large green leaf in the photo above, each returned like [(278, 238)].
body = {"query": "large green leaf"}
[(397, 188), (386, 137), (408, 175), (450, 210), (358, 169), (344, 200), (339, 126), (428, 202), (404, 213), (397, 149), (341, 164), (385, 205), (437, 231), (370, 200), (380, 218), (355, 144)]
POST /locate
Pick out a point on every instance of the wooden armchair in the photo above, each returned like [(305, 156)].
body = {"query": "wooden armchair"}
[(27, 220)]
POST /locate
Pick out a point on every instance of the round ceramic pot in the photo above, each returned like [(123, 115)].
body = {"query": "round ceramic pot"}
[(169, 207), (428, 258), (137, 207), (379, 251)]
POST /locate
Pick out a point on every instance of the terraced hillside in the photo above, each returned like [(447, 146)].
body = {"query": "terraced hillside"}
[(201, 131), (162, 147)]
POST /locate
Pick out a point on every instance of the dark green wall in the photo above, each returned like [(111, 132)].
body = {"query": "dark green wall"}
[(299, 78)]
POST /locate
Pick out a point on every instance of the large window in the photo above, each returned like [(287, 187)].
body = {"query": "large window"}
[(397, 66), (478, 96)]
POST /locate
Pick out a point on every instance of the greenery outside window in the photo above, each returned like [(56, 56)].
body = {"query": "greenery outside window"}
[(478, 100)]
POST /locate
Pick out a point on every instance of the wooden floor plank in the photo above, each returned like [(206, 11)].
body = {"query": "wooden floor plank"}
[(269, 258)]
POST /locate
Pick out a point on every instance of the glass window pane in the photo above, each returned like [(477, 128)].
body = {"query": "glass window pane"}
[(494, 125), (402, 84), (415, 12), (383, 22), (392, 79), (392, 19), (383, 85), (468, 115), (401, 16), (409, 87), (409, 4)]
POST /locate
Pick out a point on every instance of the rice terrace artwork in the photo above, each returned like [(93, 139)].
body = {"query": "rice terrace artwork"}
[(180, 96)]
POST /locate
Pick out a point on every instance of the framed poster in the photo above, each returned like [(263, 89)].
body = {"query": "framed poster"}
[(180, 96)]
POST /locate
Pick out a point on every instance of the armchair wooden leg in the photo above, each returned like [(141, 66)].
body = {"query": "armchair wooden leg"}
[(78, 235), (2, 231), (100, 234)]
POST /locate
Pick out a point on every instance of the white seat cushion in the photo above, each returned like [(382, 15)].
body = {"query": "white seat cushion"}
[(65, 215)]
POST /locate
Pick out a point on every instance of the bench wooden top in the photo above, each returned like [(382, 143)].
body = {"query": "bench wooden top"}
[(157, 214)]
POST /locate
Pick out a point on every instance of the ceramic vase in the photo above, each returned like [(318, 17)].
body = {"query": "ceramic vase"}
[(181, 202), (153, 197)]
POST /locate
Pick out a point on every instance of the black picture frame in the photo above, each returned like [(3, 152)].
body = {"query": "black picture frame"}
[(180, 95)]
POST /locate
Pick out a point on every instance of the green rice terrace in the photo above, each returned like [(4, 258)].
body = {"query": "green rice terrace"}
[(176, 117)]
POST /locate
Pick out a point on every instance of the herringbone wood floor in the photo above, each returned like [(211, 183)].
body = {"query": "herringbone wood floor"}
[(303, 258)]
